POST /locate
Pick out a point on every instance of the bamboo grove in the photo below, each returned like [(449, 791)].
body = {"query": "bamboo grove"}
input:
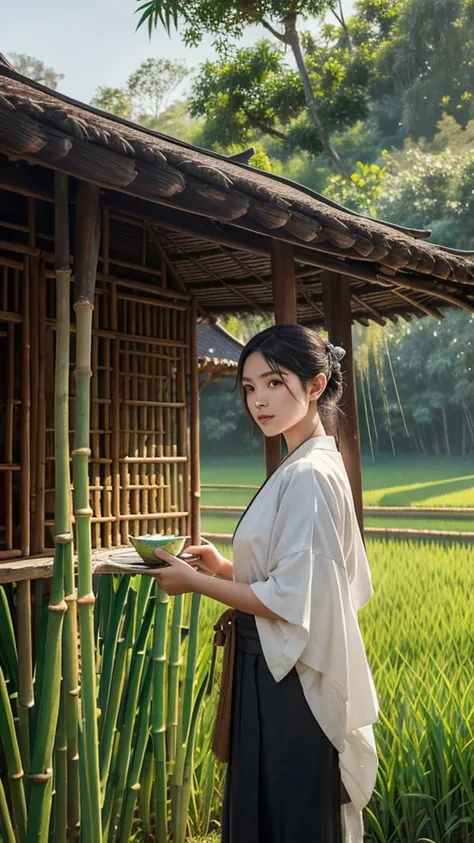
[(98, 720)]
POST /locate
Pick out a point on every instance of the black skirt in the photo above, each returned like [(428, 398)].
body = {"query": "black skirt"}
[(283, 782)]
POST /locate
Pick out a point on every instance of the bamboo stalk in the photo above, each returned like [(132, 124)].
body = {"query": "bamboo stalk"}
[(8, 440), (174, 423), (180, 789), (150, 441), (41, 430), (143, 421), (39, 806), (114, 699), (159, 727), (107, 497), (11, 750), (125, 424), (141, 739), (111, 638), (87, 245), (70, 689), (167, 414), (115, 419), (174, 664), (6, 826), (26, 699), (95, 438), (60, 775), (126, 734), (146, 788), (25, 690), (135, 476)]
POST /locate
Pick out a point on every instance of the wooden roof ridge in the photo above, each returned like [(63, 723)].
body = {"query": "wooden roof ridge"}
[(48, 128)]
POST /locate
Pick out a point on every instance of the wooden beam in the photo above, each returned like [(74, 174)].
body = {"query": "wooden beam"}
[(338, 319), (284, 305), (88, 228)]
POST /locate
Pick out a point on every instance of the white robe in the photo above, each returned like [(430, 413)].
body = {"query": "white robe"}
[(299, 547)]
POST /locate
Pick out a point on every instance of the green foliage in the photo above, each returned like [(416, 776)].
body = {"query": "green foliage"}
[(35, 69), (152, 84), (250, 90), (146, 92), (362, 191), (114, 100), (221, 18)]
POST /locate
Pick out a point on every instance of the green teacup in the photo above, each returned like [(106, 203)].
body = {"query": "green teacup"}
[(145, 546)]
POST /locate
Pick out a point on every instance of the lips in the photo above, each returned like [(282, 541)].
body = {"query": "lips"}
[(264, 418)]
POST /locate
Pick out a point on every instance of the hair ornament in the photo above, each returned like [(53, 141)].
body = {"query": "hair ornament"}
[(336, 353)]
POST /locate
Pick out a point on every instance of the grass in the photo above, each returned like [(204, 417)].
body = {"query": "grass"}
[(400, 481), (418, 634)]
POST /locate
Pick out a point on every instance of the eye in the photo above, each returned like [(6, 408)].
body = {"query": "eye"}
[(275, 381), (247, 387)]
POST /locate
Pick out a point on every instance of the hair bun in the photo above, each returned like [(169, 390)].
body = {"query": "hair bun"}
[(336, 352)]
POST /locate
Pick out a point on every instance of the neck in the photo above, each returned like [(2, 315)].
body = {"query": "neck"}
[(305, 430)]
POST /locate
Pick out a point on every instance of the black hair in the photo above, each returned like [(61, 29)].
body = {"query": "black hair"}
[(306, 354)]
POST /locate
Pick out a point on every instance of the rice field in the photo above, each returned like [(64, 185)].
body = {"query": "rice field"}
[(389, 482), (419, 634)]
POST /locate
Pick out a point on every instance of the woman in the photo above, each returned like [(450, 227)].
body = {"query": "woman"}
[(302, 760)]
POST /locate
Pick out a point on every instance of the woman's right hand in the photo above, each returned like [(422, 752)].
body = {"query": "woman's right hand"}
[(208, 560)]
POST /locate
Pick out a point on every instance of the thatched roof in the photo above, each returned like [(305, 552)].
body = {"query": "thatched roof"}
[(218, 351), (224, 214)]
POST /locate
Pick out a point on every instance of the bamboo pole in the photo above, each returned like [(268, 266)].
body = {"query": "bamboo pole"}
[(95, 437), (137, 662), (41, 777), (33, 264), (70, 656), (134, 403), (41, 430), (159, 731), (87, 247), (180, 790), (126, 426), (115, 692), (60, 775), (26, 698), (8, 433), (11, 750), (139, 749)]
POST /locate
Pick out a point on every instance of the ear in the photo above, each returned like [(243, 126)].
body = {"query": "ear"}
[(317, 387)]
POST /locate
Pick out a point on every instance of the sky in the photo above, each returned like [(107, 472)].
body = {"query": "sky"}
[(94, 42)]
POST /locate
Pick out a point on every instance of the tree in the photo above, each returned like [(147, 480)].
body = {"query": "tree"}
[(228, 19), (145, 93), (35, 69), (152, 84), (250, 91), (115, 100)]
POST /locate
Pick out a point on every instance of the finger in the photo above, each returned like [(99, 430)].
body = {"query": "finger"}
[(194, 549), (165, 556)]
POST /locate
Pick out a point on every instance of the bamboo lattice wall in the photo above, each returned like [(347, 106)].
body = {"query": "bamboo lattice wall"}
[(139, 470)]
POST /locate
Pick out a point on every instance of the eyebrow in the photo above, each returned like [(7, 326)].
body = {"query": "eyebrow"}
[(265, 375)]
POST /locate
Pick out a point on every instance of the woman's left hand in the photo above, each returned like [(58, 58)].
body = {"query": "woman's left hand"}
[(178, 578)]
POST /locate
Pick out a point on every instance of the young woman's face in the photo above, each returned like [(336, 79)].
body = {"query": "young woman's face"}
[(276, 402)]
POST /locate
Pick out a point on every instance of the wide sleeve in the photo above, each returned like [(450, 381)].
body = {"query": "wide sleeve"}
[(287, 590)]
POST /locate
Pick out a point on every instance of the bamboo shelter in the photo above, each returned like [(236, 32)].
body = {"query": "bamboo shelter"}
[(115, 242)]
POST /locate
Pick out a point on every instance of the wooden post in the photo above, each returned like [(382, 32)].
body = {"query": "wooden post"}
[(338, 322), (284, 306)]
